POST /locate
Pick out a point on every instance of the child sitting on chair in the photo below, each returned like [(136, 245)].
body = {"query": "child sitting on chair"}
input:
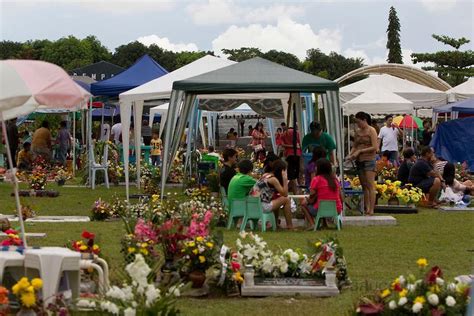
[(324, 186), (25, 157)]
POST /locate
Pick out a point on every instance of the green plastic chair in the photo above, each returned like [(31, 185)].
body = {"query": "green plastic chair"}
[(254, 213), (327, 209), (236, 210), (224, 199), (211, 158)]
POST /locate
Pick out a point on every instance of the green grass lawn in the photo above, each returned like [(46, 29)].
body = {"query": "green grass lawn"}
[(375, 255)]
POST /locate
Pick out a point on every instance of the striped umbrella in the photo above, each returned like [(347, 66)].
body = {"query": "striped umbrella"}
[(26, 85), (408, 121)]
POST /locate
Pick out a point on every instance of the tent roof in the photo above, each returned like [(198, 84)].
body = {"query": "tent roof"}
[(421, 96), (100, 70), (161, 87), (378, 101), (463, 91), (143, 70), (255, 75), (464, 106)]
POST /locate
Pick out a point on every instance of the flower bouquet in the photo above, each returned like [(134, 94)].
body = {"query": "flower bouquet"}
[(410, 194), (38, 178), (13, 239), (142, 241), (26, 212), (4, 301), (101, 210), (170, 234), (392, 191), (387, 173), (61, 176), (26, 292), (198, 255), (87, 245), (427, 293)]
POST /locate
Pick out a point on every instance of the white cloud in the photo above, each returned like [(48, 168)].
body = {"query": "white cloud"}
[(165, 43), (287, 35), (215, 12), (438, 5)]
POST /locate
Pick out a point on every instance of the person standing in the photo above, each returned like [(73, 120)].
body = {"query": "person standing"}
[(13, 142), (363, 152), (318, 138), (41, 144), (292, 151), (105, 131), (388, 137), (250, 131), (427, 134), (116, 132), (259, 135), (146, 133), (228, 171), (155, 150), (64, 142)]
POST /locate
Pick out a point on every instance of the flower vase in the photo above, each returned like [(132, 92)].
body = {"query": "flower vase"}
[(393, 201), (197, 279), (26, 312)]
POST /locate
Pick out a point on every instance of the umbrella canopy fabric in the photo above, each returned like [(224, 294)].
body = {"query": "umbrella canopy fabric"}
[(378, 101), (408, 121), (28, 84), (142, 71)]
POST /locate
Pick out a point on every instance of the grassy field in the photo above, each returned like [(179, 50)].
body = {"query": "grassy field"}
[(375, 255)]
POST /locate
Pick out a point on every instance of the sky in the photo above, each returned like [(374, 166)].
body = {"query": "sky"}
[(355, 28)]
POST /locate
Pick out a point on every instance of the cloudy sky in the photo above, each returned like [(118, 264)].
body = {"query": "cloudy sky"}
[(354, 28)]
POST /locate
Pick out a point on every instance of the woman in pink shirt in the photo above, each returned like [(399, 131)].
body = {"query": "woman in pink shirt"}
[(324, 186)]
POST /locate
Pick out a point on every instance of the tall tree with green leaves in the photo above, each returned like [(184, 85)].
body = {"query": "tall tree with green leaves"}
[(453, 66), (393, 38)]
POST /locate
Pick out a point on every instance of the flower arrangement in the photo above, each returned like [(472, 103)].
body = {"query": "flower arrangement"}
[(388, 173), (26, 292), (87, 245), (425, 294), (61, 176), (13, 239), (176, 174), (170, 234), (142, 241), (329, 254), (258, 167), (150, 178), (198, 253), (408, 194), (101, 210), (26, 212), (115, 171), (353, 183), (462, 171), (4, 301), (138, 298), (38, 178)]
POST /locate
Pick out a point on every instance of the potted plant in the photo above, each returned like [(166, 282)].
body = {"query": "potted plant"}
[(199, 254)]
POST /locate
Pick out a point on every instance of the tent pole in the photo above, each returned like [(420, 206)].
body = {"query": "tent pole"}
[(15, 184)]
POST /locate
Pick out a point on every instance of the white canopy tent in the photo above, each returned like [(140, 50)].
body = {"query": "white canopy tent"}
[(421, 96), (461, 92), (378, 101)]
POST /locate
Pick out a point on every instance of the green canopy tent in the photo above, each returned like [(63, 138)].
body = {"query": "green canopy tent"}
[(252, 80)]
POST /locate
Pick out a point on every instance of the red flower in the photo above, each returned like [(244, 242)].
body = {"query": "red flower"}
[(371, 309), (235, 266), (436, 312), (434, 273), (397, 287), (11, 231), (87, 235)]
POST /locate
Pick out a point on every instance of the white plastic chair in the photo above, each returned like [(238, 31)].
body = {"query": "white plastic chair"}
[(100, 166)]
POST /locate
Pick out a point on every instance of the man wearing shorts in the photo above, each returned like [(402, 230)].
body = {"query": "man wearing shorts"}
[(292, 150), (388, 138), (424, 177)]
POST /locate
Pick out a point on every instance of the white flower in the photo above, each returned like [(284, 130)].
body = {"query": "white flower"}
[(250, 252), (305, 267), (292, 255), (402, 301), (284, 267), (439, 281), (392, 305), (238, 243), (110, 307), (174, 290), (243, 234), (417, 307), (151, 294), (85, 304), (401, 280), (433, 299), (450, 301), (267, 265), (117, 293), (451, 287), (139, 270), (129, 312), (411, 287)]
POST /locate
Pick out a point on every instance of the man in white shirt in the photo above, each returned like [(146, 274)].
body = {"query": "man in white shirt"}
[(116, 132), (388, 137), (105, 131)]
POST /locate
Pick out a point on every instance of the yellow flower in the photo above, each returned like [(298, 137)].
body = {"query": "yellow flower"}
[(195, 251), (144, 245), (422, 262), (403, 293), (23, 283), (199, 239), (95, 247), (144, 251), (435, 288), (202, 259), (238, 277), (83, 247), (37, 283), (210, 244), (419, 299), (317, 244), (28, 299), (16, 289), (131, 249), (191, 244), (385, 293)]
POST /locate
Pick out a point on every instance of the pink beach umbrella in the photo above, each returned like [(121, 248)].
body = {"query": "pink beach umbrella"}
[(28, 84)]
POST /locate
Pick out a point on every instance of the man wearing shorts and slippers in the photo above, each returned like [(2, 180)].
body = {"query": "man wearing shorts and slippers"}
[(292, 151)]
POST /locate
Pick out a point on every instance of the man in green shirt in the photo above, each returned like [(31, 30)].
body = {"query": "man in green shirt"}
[(241, 183), (318, 138)]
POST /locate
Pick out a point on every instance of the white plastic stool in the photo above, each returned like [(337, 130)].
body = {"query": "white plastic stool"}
[(10, 259), (51, 262)]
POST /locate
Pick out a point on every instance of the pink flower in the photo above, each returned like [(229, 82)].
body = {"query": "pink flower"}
[(144, 231)]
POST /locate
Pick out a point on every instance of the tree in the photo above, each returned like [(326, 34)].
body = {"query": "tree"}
[(126, 55), (242, 53), (10, 49), (393, 38), (34, 49), (99, 51), (69, 53), (283, 58), (453, 66), (330, 66)]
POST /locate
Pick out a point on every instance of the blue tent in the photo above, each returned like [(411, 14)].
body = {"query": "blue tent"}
[(142, 71), (464, 106), (84, 85), (453, 141)]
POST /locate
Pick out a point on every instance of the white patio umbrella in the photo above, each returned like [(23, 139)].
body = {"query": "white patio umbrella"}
[(26, 85)]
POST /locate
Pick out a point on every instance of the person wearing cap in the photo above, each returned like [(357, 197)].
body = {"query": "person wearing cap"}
[(318, 138)]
